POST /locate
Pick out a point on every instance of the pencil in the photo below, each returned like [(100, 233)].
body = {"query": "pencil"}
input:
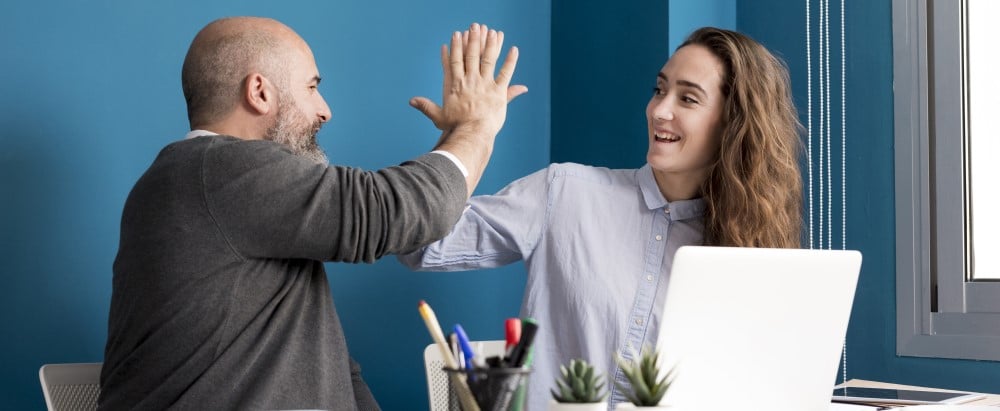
[(457, 380)]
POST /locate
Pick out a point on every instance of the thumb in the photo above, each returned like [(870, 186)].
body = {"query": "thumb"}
[(426, 106), (429, 109), (514, 91)]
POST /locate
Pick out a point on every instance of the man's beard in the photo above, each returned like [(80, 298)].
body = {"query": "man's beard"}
[(293, 130)]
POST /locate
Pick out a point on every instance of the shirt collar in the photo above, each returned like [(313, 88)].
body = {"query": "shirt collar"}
[(677, 210), (198, 133)]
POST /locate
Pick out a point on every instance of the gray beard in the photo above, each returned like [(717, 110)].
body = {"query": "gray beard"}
[(293, 130)]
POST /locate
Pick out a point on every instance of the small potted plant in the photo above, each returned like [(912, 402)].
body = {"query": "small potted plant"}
[(647, 386), (580, 389)]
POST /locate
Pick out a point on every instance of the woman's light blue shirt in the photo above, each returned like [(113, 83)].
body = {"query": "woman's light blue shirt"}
[(598, 245)]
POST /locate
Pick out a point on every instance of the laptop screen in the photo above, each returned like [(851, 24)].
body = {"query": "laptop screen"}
[(756, 328)]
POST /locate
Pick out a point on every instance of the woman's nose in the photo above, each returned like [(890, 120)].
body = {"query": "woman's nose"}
[(663, 111)]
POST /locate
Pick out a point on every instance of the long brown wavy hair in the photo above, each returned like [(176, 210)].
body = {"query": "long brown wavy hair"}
[(753, 194)]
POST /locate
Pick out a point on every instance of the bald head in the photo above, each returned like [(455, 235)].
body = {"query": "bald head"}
[(221, 57)]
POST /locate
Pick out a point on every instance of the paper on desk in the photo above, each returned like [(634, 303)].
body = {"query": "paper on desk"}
[(851, 407)]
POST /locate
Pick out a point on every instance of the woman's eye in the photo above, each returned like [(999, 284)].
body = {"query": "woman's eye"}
[(657, 91), (690, 100)]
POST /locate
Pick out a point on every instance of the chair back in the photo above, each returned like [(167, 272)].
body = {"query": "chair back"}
[(71, 386), (437, 381)]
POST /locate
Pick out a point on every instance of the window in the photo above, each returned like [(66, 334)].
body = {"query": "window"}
[(948, 299), (983, 89)]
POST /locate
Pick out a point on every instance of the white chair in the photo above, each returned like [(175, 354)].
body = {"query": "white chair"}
[(437, 381), (71, 386)]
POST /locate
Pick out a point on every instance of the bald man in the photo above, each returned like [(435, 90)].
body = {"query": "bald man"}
[(220, 299)]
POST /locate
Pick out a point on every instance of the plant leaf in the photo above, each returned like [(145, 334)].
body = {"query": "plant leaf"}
[(578, 388)]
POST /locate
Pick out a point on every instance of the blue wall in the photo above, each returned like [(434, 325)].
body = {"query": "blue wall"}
[(91, 92), (871, 341), (686, 16), (600, 83), (605, 57)]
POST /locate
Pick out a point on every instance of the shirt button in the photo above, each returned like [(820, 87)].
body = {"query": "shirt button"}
[(666, 211), (649, 278), (638, 321), (659, 237)]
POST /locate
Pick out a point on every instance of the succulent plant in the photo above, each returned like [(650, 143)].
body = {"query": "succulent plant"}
[(642, 375), (580, 383)]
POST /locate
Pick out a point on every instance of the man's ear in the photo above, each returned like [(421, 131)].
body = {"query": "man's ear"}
[(259, 94)]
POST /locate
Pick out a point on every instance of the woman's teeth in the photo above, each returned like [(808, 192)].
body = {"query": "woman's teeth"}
[(666, 137)]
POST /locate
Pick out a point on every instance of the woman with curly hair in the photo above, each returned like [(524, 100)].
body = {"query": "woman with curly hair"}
[(722, 170)]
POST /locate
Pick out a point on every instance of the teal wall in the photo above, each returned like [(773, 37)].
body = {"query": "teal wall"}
[(605, 57), (598, 118), (686, 16), (91, 92), (871, 340), (869, 146)]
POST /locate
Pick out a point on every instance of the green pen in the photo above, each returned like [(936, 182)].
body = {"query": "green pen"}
[(519, 394)]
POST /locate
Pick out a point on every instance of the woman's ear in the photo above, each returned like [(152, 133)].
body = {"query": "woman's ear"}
[(259, 94)]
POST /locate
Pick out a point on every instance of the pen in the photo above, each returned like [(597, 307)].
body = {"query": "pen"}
[(461, 387), (480, 362), (518, 401), (512, 329), (520, 352), (456, 351), (463, 342), (435, 329), (494, 361), (520, 356)]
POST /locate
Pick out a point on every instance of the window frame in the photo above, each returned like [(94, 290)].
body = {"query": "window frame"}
[(930, 192)]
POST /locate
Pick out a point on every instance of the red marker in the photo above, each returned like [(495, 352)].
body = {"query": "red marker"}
[(513, 332)]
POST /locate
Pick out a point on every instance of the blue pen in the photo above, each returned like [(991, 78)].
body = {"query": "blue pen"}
[(463, 341)]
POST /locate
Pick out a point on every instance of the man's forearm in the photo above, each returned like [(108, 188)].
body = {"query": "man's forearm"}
[(472, 147)]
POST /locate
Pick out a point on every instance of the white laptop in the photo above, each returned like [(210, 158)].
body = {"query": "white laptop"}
[(756, 328)]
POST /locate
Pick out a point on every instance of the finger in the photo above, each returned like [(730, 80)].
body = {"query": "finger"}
[(444, 58), (427, 107), (490, 54), (483, 30), (472, 50), (514, 91), (457, 66), (507, 70), (445, 67)]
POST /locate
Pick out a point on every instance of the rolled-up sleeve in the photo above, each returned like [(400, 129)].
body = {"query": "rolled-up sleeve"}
[(493, 231)]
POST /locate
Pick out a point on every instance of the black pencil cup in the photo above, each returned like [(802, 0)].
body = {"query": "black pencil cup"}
[(494, 389)]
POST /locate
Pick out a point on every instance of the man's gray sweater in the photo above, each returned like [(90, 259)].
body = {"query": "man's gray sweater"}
[(220, 299)]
